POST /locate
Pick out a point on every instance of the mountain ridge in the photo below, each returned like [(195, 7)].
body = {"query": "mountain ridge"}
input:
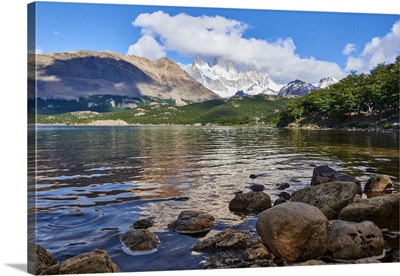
[(223, 78), (75, 74)]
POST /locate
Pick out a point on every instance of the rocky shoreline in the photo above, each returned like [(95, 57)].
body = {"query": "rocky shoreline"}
[(367, 129), (329, 222)]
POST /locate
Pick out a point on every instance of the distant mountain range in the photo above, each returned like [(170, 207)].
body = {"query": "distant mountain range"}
[(301, 88), (104, 81), (107, 81), (223, 78)]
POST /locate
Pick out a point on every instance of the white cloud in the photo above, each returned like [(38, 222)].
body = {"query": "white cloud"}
[(186, 67), (57, 33), (349, 48), (378, 50), (147, 47), (212, 36)]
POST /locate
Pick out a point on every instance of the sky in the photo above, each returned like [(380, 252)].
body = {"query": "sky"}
[(287, 44)]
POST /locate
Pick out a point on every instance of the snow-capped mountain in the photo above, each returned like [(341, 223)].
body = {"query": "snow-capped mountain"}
[(223, 78), (301, 88), (296, 88), (325, 82)]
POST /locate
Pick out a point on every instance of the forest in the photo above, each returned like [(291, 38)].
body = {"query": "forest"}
[(358, 100)]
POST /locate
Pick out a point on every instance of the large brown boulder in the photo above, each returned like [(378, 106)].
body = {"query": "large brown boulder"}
[(233, 248), (330, 198), (325, 174), (39, 259), (191, 222), (97, 261), (382, 210), (140, 240), (354, 240), (251, 201), (378, 183), (295, 231)]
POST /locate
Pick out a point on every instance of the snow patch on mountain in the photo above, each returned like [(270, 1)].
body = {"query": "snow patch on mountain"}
[(325, 82), (297, 88)]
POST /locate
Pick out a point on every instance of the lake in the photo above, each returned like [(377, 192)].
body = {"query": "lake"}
[(93, 183)]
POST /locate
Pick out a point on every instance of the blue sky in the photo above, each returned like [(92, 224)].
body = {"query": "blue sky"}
[(286, 44)]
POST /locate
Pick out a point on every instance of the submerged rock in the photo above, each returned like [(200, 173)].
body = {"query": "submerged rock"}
[(382, 210), (330, 198), (282, 186), (251, 201), (143, 223), (325, 174), (191, 222), (230, 248), (97, 261), (378, 183), (140, 240), (295, 231), (257, 187), (39, 259), (354, 240)]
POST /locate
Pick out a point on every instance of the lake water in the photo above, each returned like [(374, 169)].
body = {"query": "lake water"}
[(93, 183)]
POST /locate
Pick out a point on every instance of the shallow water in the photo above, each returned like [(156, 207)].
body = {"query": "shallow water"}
[(93, 183)]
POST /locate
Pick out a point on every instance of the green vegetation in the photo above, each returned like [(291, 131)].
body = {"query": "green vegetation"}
[(359, 100), (254, 110)]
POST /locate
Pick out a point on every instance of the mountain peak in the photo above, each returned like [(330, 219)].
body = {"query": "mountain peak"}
[(325, 82), (223, 78), (85, 73), (225, 63)]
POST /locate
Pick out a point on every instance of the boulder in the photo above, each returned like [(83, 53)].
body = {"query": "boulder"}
[(140, 240), (251, 201), (97, 261), (191, 222), (295, 231), (143, 223), (311, 262), (230, 248), (378, 183), (280, 200), (330, 198), (325, 174), (354, 240), (282, 186), (39, 259), (257, 187), (285, 195), (382, 210), (396, 256)]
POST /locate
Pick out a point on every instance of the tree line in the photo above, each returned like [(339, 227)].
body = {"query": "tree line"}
[(374, 94)]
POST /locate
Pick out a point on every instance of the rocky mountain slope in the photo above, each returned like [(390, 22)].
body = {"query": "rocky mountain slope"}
[(301, 88), (223, 78), (78, 75)]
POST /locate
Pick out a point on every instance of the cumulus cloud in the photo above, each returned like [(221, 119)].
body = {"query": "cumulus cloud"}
[(349, 48), (147, 47), (212, 36), (378, 50)]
